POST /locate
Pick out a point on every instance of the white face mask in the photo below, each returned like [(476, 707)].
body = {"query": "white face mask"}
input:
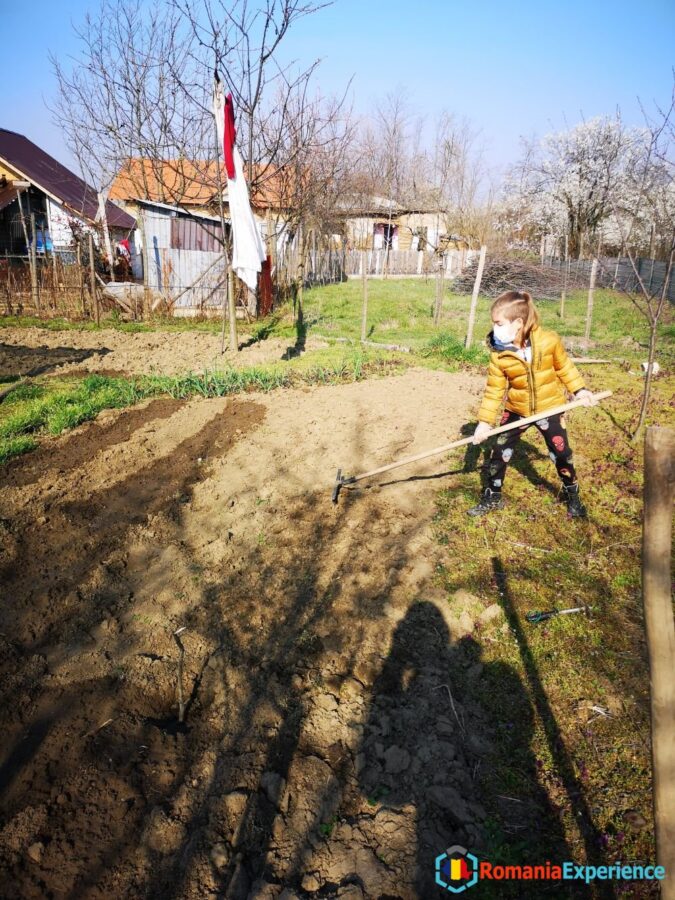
[(505, 334)]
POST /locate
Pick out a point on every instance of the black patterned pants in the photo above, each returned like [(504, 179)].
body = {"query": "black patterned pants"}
[(554, 433)]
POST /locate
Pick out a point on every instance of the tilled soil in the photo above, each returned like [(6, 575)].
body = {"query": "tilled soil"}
[(323, 751), (37, 351)]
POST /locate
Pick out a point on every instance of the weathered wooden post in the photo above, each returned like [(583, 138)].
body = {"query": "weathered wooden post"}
[(92, 280), (34, 286), (438, 305), (659, 483), (474, 296), (364, 283), (301, 287), (591, 292), (234, 342), (80, 278)]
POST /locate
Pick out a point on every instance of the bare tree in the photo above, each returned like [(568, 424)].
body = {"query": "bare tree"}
[(312, 167), (651, 197), (133, 93), (242, 41), (138, 98)]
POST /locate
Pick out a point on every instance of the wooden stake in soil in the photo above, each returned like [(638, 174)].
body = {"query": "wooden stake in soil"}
[(92, 280), (225, 308), (34, 286), (659, 492), (234, 342), (364, 282), (438, 305), (179, 691), (80, 278), (591, 292), (474, 296)]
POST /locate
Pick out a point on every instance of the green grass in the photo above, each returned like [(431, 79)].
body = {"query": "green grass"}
[(51, 406), (400, 311), (15, 446), (450, 349), (536, 676)]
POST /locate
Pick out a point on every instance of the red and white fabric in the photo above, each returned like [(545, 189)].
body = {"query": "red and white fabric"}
[(248, 251)]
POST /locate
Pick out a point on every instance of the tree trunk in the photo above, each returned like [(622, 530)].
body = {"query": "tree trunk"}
[(364, 277), (656, 592), (474, 296), (648, 380)]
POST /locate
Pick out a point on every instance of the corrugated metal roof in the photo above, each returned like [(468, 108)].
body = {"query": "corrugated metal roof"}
[(54, 178), (152, 204)]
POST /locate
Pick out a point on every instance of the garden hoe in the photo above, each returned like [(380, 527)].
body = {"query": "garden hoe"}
[(341, 480)]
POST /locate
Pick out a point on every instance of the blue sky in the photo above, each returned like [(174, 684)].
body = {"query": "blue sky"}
[(520, 68)]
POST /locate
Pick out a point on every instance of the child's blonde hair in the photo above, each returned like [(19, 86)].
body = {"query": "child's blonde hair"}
[(517, 305)]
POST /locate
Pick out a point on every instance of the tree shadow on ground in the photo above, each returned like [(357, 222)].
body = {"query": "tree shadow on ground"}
[(300, 337), (426, 711), (29, 362), (589, 832)]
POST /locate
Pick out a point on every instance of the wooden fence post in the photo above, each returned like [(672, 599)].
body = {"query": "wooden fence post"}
[(364, 281), (438, 305), (474, 296), (301, 288), (234, 341), (34, 286), (591, 292), (80, 278), (659, 484), (92, 280)]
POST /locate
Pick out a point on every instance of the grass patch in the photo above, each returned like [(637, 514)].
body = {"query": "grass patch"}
[(450, 349), (574, 774), (54, 406), (15, 446), (400, 311), (51, 406)]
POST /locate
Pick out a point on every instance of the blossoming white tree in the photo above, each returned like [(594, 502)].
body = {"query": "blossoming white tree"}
[(572, 182)]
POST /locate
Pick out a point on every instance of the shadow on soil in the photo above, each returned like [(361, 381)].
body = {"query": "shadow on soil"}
[(334, 736), (29, 362)]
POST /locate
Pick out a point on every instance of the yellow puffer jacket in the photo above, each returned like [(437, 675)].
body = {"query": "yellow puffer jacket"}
[(532, 387)]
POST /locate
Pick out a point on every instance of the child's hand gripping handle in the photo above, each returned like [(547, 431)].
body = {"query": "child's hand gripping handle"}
[(583, 398)]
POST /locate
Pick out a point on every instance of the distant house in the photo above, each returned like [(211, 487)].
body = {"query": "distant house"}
[(34, 184), (196, 188), (178, 248), (381, 223), (179, 255)]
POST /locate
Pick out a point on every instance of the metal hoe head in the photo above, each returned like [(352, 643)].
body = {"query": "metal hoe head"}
[(339, 481)]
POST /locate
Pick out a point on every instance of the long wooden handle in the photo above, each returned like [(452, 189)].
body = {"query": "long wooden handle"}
[(602, 395)]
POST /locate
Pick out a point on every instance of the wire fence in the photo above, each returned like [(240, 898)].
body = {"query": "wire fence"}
[(619, 274), (66, 285)]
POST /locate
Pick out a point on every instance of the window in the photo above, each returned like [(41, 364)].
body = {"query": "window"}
[(192, 234)]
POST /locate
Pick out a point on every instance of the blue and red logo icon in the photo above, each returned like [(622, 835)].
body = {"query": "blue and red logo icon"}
[(456, 869)]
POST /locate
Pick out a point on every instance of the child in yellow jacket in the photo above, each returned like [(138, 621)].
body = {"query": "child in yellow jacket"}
[(531, 366)]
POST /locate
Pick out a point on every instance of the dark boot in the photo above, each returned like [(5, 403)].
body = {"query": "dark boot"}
[(489, 500), (575, 508)]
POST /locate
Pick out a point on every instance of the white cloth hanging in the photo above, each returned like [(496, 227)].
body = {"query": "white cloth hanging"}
[(248, 250)]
